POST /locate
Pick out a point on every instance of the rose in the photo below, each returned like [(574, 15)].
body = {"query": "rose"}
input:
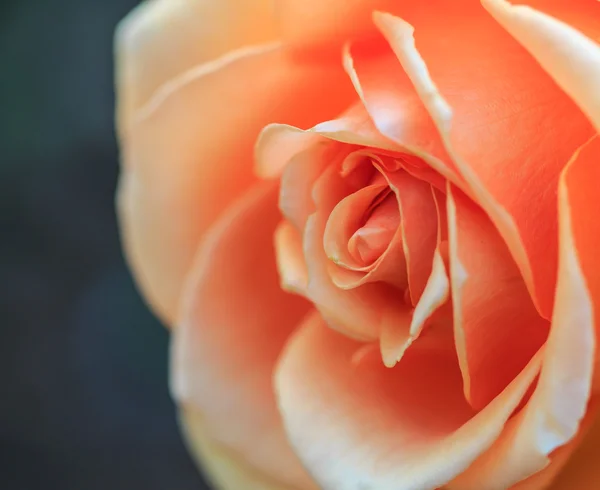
[(441, 223)]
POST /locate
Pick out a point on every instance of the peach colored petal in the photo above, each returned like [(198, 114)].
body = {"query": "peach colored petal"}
[(581, 468), (554, 412), (565, 458), (396, 339), (162, 39), (324, 26), (435, 294), (419, 228), (371, 240), (332, 187), (290, 259), (362, 425), (235, 320), (395, 108), (463, 62), (279, 143), (331, 193), (582, 15), (300, 173), (345, 220), (570, 57), (223, 467), (189, 154), (497, 328), (580, 184), (358, 313)]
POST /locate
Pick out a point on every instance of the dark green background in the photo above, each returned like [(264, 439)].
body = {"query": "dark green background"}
[(84, 403)]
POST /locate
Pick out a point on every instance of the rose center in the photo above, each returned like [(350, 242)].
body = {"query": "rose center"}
[(380, 222)]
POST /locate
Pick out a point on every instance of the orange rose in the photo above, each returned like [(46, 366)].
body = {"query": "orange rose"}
[(425, 317)]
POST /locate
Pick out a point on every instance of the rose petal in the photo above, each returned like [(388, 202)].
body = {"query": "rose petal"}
[(221, 466), (372, 239), (579, 446), (189, 154), (290, 258), (571, 58), (358, 313), (497, 328), (418, 198), (324, 26), (581, 15), (366, 426), (520, 199), (300, 173), (345, 220), (331, 193), (554, 412), (395, 107), (235, 321), (162, 39), (581, 469), (278, 144), (419, 225)]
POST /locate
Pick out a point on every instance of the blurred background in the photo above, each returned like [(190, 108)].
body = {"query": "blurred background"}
[(84, 403)]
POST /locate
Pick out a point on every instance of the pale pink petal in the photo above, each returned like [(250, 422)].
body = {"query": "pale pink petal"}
[(189, 154), (363, 425), (464, 63), (235, 321)]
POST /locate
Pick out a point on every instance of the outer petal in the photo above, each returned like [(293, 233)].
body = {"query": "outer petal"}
[(324, 26), (553, 415), (571, 58), (189, 154), (582, 469), (223, 467), (510, 154), (161, 39), (359, 425), (235, 322)]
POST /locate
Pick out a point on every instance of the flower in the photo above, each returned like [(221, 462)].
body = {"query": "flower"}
[(372, 226)]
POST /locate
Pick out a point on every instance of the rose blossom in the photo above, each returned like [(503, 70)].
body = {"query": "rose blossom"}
[(373, 227)]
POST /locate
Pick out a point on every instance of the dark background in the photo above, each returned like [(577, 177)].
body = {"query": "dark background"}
[(84, 403)]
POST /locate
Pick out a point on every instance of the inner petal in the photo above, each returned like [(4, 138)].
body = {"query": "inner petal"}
[(344, 221), (381, 222)]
